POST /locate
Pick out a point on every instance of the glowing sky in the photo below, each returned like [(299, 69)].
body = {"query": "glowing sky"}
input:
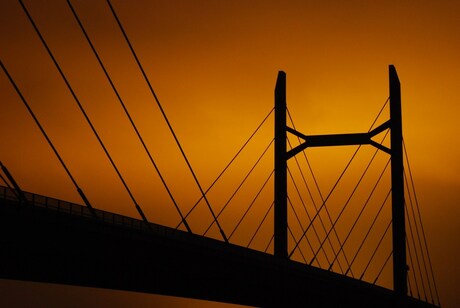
[(213, 65)]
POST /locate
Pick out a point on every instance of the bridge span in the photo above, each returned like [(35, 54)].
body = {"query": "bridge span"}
[(49, 240)]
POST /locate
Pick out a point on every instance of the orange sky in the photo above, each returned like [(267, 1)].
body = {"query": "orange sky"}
[(213, 65)]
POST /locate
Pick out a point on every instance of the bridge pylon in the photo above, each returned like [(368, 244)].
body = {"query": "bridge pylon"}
[(397, 171), (280, 238)]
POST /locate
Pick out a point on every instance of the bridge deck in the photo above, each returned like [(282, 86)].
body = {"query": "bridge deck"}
[(50, 240)]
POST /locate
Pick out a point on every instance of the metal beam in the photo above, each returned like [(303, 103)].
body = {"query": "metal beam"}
[(397, 182), (337, 140), (380, 129)]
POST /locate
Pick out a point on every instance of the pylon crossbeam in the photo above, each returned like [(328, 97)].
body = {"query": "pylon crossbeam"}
[(337, 140)]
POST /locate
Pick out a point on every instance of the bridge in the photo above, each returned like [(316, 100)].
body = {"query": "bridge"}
[(49, 240), (313, 256)]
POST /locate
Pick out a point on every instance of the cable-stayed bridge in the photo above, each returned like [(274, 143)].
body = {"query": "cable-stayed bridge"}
[(363, 247)]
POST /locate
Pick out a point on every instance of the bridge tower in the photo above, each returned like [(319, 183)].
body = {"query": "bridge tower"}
[(280, 239), (397, 186), (397, 171)]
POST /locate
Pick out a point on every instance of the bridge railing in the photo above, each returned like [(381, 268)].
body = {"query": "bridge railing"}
[(69, 208)]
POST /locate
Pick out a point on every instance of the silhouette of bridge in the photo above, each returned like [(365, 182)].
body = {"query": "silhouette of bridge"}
[(49, 240), (314, 262), (54, 241)]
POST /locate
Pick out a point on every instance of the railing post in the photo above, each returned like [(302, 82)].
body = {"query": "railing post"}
[(280, 237), (397, 184)]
